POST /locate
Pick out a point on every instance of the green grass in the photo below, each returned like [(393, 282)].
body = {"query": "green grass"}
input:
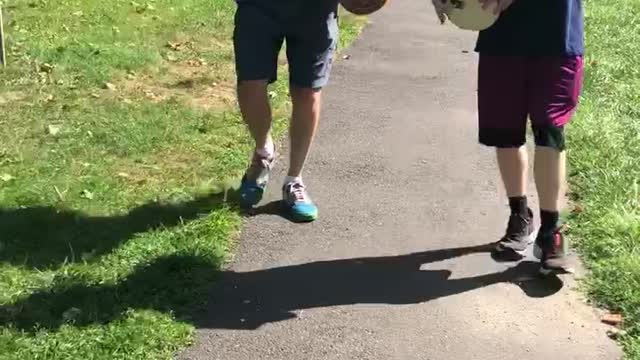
[(605, 166), (118, 134)]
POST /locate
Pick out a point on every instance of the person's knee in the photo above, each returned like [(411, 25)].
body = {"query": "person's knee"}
[(251, 91), (252, 86), (550, 137), (305, 96)]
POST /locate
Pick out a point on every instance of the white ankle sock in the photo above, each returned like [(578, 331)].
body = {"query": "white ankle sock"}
[(293, 179), (268, 151)]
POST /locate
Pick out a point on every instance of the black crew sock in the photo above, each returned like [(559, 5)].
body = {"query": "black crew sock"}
[(550, 220), (518, 205)]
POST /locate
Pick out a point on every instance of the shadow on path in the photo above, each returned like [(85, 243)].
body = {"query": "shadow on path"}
[(251, 299), (181, 285)]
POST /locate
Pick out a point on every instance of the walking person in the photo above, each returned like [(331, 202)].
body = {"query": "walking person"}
[(530, 67), (310, 29)]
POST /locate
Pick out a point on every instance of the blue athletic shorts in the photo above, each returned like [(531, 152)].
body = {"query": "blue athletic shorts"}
[(310, 32)]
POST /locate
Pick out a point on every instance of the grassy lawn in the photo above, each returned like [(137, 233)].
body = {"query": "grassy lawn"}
[(605, 162), (118, 134)]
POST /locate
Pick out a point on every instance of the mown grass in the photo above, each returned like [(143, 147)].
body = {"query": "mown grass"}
[(118, 133), (605, 166)]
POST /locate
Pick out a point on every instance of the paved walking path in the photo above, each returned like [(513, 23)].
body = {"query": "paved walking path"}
[(394, 268)]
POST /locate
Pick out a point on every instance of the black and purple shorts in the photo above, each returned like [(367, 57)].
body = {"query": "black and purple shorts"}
[(513, 89)]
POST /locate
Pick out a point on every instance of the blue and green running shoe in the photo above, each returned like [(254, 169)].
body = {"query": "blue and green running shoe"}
[(255, 180), (298, 203)]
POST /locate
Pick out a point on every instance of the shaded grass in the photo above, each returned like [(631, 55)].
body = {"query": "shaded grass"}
[(113, 218), (605, 148)]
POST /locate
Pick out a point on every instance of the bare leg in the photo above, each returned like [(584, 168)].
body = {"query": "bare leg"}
[(513, 163), (550, 174), (304, 122), (256, 112)]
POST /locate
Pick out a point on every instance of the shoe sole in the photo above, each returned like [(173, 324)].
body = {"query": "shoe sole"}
[(547, 271), (511, 255), (304, 219), (298, 218), (537, 252)]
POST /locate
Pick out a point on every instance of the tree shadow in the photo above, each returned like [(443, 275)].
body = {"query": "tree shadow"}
[(48, 237), (247, 300), (175, 284)]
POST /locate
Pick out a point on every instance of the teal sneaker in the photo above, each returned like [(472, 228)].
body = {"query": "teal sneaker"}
[(255, 180), (298, 203)]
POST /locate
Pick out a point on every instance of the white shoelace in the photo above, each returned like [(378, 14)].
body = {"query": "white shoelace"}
[(298, 192)]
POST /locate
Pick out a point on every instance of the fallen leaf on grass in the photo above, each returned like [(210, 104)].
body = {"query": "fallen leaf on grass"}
[(196, 62), (46, 68), (187, 83), (59, 193), (152, 96), (86, 194), (175, 46), (7, 177), (612, 319), (143, 8), (54, 130)]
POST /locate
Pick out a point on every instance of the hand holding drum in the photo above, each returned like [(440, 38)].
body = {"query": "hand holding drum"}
[(475, 15), (363, 7)]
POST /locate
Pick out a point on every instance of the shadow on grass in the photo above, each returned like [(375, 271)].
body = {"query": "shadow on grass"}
[(48, 237), (174, 284), (247, 300)]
